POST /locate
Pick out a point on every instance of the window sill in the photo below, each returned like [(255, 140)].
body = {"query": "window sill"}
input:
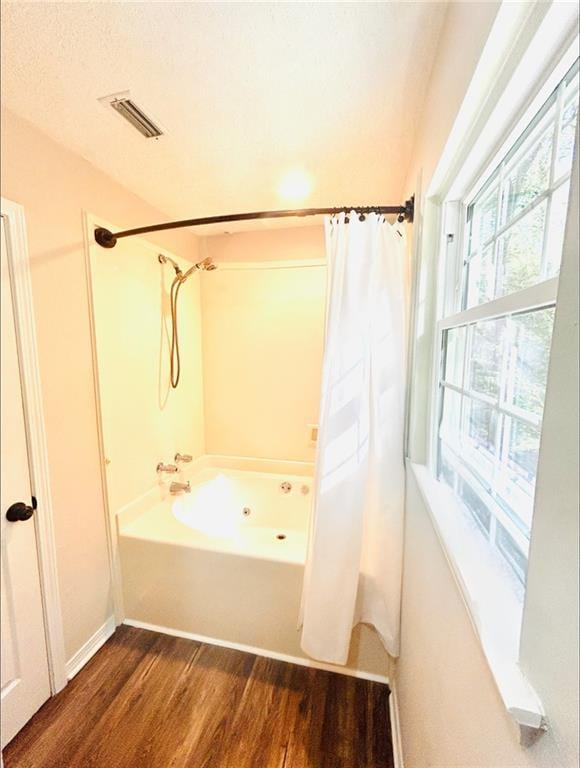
[(497, 624)]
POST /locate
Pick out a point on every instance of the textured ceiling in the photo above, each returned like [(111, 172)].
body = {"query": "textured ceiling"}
[(245, 92)]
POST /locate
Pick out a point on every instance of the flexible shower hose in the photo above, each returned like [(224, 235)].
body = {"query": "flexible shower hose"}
[(178, 280), (175, 360)]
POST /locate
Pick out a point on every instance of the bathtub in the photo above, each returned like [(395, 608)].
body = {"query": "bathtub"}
[(234, 512), (225, 563)]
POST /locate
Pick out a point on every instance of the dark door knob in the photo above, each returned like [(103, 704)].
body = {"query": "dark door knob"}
[(20, 511)]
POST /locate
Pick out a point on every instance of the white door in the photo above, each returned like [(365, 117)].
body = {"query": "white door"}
[(25, 681)]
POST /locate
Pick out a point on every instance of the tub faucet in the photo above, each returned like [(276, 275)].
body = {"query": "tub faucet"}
[(176, 488), (184, 457), (161, 467)]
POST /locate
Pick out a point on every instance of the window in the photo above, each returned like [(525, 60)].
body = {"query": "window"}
[(496, 335)]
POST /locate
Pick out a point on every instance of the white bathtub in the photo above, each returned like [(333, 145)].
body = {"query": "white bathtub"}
[(233, 511), (226, 563)]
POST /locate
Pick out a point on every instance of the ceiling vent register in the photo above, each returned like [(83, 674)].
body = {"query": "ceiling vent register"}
[(134, 115)]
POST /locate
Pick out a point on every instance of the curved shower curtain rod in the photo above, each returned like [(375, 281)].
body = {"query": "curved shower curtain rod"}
[(108, 239)]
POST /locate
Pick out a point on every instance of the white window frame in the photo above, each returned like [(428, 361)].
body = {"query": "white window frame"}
[(516, 55), (452, 288), (454, 215)]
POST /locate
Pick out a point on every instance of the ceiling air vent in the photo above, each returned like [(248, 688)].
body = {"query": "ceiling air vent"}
[(133, 114)]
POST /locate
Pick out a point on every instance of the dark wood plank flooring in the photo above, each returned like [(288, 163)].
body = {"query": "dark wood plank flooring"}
[(147, 700)]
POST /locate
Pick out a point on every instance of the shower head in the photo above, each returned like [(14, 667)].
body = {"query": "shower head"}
[(206, 265), (178, 281), (180, 276), (203, 266)]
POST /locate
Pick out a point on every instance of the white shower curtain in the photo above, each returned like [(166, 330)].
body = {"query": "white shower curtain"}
[(353, 569)]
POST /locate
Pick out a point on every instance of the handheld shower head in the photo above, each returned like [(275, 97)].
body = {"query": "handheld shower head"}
[(203, 266), (180, 278), (206, 265)]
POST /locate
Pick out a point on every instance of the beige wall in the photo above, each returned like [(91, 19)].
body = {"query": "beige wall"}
[(262, 344), (54, 186), (276, 244), (451, 713), (465, 30), (144, 420)]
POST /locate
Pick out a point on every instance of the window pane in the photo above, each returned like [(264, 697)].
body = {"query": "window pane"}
[(486, 351), (516, 480), (521, 252), (447, 471), (504, 255), (481, 277), (531, 175), (479, 436), (450, 416), (530, 356), (481, 421), (522, 455), (454, 344), (474, 504), (483, 217), (488, 455)]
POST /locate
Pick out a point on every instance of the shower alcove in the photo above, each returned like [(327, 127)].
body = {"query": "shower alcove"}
[(251, 339)]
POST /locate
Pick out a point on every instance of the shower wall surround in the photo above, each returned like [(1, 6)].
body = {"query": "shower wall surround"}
[(251, 339), (263, 329), (143, 420)]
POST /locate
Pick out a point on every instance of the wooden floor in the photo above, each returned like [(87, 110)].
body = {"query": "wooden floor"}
[(147, 700)]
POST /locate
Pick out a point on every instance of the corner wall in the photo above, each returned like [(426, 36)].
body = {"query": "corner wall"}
[(54, 186)]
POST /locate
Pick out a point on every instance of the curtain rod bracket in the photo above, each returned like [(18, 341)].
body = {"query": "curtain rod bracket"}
[(107, 239)]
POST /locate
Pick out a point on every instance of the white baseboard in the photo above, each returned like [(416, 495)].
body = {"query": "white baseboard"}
[(395, 726), (88, 650), (301, 661)]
